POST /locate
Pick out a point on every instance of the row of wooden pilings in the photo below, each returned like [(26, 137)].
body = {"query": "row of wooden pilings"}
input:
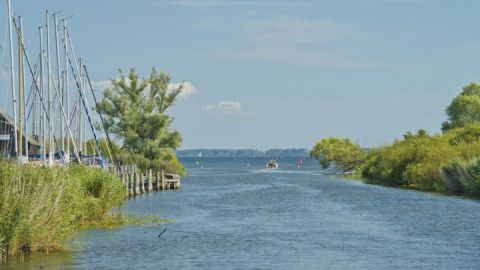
[(139, 182)]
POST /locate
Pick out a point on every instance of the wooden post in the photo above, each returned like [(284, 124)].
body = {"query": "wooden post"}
[(130, 184), (150, 180), (157, 182), (162, 180), (125, 182), (142, 183), (136, 185), (125, 174)]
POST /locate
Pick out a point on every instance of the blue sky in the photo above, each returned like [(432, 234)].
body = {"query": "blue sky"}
[(268, 74)]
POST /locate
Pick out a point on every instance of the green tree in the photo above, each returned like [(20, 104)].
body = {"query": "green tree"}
[(464, 109), (341, 152), (469, 134), (135, 111), (104, 146)]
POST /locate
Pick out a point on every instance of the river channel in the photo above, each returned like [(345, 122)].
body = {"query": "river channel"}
[(232, 213)]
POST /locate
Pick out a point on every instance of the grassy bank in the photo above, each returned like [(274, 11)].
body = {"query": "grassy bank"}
[(420, 160), (40, 207), (445, 163)]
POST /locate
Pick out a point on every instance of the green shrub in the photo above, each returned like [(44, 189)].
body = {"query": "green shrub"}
[(417, 160)]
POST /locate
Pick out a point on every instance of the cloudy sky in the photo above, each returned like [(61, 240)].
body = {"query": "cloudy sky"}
[(264, 74)]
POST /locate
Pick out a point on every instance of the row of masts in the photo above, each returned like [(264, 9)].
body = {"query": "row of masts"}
[(59, 111)]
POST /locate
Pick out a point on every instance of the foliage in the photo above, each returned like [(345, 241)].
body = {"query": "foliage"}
[(464, 109), (417, 160), (341, 152), (168, 163), (41, 206), (467, 174), (104, 147), (470, 134), (447, 162), (135, 111)]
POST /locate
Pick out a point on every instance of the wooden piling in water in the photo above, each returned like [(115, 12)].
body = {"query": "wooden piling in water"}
[(157, 181), (142, 183), (150, 180), (130, 184), (137, 183), (162, 179)]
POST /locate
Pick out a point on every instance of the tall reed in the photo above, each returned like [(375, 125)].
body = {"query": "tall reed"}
[(40, 206)]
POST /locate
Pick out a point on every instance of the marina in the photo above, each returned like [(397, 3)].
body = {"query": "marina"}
[(52, 116)]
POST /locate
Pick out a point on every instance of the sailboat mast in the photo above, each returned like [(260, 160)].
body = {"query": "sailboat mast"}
[(23, 106), (42, 95), (61, 97), (12, 78), (49, 90), (85, 119), (67, 95), (80, 116), (20, 92)]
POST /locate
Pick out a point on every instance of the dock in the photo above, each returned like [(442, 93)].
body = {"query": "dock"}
[(138, 182)]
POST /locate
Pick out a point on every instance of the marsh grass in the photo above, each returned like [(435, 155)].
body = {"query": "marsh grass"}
[(41, 207)]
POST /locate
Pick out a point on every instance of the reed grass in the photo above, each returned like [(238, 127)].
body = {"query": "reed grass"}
[(41, 207)]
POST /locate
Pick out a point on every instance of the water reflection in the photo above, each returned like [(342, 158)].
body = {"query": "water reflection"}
[(51, 261)]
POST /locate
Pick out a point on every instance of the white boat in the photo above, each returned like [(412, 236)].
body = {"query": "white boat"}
[(272, 164)]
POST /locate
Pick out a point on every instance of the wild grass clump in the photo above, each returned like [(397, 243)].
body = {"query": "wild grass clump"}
[(40, 206), (463, 176)]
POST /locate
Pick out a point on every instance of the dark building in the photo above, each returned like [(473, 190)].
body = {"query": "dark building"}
[(7, 148)]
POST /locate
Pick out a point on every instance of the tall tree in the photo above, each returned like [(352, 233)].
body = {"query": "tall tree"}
[(464, 109), (135, 111)]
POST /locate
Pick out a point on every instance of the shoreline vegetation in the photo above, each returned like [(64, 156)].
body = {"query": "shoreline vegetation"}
[(447, 163), (41, 207)]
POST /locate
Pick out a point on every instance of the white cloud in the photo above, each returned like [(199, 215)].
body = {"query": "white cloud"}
[(227, 107), (316, 43), (285, 31), (188, 88)]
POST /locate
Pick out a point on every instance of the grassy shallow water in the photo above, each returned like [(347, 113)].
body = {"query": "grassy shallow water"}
[(41, 207)]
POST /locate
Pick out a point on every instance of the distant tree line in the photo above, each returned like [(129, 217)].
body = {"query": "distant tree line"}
[(294, 152)]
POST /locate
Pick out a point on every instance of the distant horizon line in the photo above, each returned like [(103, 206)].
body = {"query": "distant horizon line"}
[(245, 148)]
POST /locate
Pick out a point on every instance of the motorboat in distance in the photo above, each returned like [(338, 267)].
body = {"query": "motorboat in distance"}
[(272, 164)]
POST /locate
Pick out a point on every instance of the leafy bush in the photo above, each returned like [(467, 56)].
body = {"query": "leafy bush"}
[(417, 160), (340, 152)]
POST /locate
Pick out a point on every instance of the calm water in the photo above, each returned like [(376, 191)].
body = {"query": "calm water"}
[(233, 216)]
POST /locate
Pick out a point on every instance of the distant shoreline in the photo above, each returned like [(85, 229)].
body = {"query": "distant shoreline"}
[(290, 152)]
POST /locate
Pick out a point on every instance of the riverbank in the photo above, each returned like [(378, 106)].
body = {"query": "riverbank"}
[(446, 164), (41, 207)]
